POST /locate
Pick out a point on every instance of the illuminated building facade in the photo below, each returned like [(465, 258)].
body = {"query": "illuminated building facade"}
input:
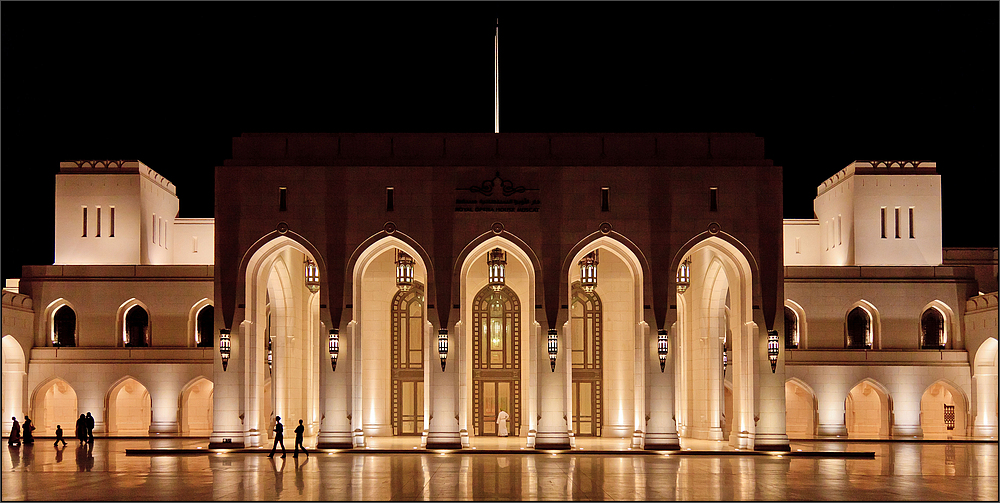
[(614, 285)]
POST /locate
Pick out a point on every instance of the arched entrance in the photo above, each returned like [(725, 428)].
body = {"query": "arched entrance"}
[(868, 410), (586, 317), (14, 374), (800, 410), (196, 408), (407, 360), (943, 411), (496, 368), (984, 384), (129, 409), (55, 403), (715, 312)]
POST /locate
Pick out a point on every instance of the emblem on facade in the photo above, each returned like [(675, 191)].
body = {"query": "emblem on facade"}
[(506, 187)]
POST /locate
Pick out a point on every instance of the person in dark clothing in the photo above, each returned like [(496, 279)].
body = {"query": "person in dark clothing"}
[(90, 427), (81, 429), (278, 437), (299, 430), (15, 434), (27, 437), (59, 436)]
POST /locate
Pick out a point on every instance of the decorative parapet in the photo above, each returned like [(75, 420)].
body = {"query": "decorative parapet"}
[(979, 303), (117, 166), (17, 301), (878, 168)]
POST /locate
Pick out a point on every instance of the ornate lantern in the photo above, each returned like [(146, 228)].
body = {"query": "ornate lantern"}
[(443, 346), (684, 276), (496, 261), (725, 360), (224, 347), (661, 347), (553, 347), (312, 275), (772, 348), (404, 271), (334, 346), (588, 271), (270, 358)]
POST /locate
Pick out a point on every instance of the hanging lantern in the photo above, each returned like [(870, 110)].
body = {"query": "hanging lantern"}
[(270, 358), (224, 347), (334, 346), (661, 347), (588, 271), (312, 275), (684, 276), (443, 346), (404, 271), (553, 347), (725, 360), (772, 348), (497, 261)]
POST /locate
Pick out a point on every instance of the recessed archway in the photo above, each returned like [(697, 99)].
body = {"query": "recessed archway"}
[(55, 404), (196, 408), (943, 411), (984, 383), (868, 410), (129, 408), (14, 374), (800, 409)]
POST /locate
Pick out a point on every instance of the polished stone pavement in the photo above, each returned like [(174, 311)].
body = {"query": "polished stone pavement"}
[(899, 471)]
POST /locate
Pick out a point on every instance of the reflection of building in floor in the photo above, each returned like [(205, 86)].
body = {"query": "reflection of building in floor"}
[(543, 275)]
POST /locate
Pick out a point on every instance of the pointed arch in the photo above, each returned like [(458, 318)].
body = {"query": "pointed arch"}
[(195, 407), (949, 328), (195, 334), (51, 323), (120, 322), (802, 324), (14, 376), (54, 402), (867, 415), (984, 383), (801, 416), (128, 408), (944, 410), (377, 244), (873, 335)]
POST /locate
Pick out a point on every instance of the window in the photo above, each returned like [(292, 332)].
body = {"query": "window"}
[(797, 247), (194, 244), (840, 231), (111, 232), (605, 199), (932, 325), (713, 195), (883, 222), (136, 328), (155, 230), (859, 329), (388, 199), (98, 233), (282, 198), (791, 329), (64, 327), (205, 327), (163, 232), (949, 417), (897, 222), (911, 222), (84, 221)]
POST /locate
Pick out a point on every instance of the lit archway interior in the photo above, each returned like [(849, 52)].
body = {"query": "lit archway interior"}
[(129, 409), (943, 411), (13, 381), (868, 411), (196, 408), (984, 382), (800, 411), (55, 404)]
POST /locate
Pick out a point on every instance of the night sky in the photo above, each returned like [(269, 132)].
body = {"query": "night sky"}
[(171, 83)]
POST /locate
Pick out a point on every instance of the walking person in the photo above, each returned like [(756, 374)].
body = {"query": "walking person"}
[(90, 427), (299, 430), (278, 437), (59, 436), (26, 436), (502, 418), (81, 429), (15, 434)]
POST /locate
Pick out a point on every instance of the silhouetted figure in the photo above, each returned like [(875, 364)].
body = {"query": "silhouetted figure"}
[(59, 436), (14, 440), (90, 427), (81, 429), (26, 436), (299, 430), (278, 437)]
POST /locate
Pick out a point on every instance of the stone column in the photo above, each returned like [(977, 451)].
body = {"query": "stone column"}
[(661, 429), (553, 427), (335, 397), (770, 435), (984, 423), (442, 392), (228, 393)]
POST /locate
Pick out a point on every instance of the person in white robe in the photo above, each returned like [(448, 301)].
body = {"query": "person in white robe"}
[(502, 418)]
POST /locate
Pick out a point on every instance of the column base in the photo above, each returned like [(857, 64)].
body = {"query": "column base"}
[(444, 440), (771, 442), (462, 433), (907, 431), (530, 440), (158, 426), (226, 440), (661, 442), (831, 430), (552, 440), (358, 438), (637, 439), (335, 440), (980, 430)]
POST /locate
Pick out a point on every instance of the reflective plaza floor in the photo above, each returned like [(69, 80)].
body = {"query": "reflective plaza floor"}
[(899, 471)]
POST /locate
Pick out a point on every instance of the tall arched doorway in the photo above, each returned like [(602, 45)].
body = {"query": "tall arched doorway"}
[(14, 374), (943, 411), (984, 384), (55, 403), (407, 356), (496, 359), (586, 317), (800, 410), (129, 409), (196, 408), (868, 411)]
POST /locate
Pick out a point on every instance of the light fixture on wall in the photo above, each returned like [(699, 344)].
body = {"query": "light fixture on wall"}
[(725, 360), (588, 271), (224, 347), (270, 353), (772, 348), (312, 275), (661, 347), (443, 346), (553, 347), (497, 262), (334, 346), (404, 271), (684, 276)]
